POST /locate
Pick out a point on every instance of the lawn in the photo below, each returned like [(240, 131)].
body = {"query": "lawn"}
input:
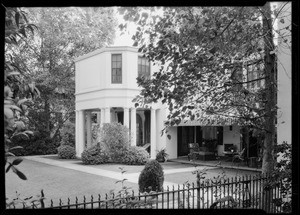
[(58, 182)]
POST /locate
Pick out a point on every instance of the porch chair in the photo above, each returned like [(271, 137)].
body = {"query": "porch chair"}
[(201, 153), (240, 156)]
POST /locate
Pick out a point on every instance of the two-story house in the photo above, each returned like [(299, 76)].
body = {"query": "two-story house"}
[(106, 85)]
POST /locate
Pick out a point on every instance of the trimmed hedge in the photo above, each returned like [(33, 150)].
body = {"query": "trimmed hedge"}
[(151, 177), (95, 155), (66, 152), (135, 155)]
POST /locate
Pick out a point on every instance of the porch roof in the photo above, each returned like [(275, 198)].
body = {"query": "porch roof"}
[(210, 120)]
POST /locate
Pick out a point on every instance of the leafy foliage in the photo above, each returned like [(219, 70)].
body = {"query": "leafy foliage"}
[(283, 174), (162, 155), (48, 57), (151, 177), (67, 134), (203, 54), (125, 198), (31, 202), (95, 155), (18, 88), (114, 137), (135, 155), (38, 144), (66, 152)]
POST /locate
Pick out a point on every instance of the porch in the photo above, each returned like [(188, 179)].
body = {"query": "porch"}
[(221, 161)]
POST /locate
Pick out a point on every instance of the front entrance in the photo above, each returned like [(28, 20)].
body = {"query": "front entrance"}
[(186, 135), (210, 136)]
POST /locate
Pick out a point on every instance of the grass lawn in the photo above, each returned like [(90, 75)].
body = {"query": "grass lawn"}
[(58, 182)]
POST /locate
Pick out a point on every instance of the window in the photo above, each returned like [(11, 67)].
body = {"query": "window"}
[(116, 69), (143, 67), (255, 72)]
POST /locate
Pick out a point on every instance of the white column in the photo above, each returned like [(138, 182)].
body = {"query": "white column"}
[(133, 126), (107, 115), (98, 117), (88, 129), (80, 137), (126, 117), (102, 117), (153, 134)]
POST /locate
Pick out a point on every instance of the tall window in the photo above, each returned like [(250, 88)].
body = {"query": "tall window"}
[(255, 72), (116, 68), (143, 67)]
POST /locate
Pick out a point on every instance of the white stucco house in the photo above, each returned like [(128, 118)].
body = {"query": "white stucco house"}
[(106, 85)]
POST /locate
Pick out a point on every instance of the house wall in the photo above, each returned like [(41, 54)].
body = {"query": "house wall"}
[(171, 144), (284, 96), (230, 137)]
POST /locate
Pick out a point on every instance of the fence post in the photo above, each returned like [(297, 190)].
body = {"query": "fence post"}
[(198, 193)]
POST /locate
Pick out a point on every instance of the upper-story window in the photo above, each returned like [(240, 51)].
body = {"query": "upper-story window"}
[(116, 69), (255, 74), (143, 67)]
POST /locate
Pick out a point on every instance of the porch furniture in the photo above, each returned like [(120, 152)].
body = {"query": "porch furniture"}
[(200, 153), (147, 147), (239, 156)]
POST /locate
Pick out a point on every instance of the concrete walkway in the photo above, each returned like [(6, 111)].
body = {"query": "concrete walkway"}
[(131, 177)]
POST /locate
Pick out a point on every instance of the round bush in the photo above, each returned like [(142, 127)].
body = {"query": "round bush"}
[(151, 177), (95, 155), (135, 155), (66, 152), (114, 136)]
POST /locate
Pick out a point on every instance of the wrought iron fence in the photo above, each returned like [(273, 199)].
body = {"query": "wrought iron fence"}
[(251, 192)]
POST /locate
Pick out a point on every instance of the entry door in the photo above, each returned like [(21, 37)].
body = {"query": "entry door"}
[(185, 135)]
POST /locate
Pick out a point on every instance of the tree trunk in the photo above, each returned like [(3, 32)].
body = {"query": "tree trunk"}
[(268, 159)]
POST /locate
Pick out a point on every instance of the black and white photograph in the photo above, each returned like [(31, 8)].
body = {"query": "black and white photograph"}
[(148, 107)]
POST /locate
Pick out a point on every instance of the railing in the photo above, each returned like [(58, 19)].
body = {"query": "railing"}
[(249, 192)]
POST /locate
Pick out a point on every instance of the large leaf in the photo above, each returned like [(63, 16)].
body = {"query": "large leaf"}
[(17, 161), (8, 112)]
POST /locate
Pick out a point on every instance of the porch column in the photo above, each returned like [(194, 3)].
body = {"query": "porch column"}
[(133, 126), (107, 115), (98, 117), (126, 117), (88, 129), (80, 137), (102, 117), (153, 134)]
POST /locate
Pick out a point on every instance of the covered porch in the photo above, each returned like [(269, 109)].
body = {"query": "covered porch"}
[(141, 123)]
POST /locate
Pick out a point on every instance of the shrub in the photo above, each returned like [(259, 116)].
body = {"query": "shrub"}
[(151, 177), (66, 152), (114, 136), (36, 145), (135, 155), (95, 155), (67, 134)]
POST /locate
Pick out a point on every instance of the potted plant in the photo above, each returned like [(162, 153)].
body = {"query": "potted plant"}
[(162, 155)]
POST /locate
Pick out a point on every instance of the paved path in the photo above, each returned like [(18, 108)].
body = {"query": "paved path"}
[(131, 177)]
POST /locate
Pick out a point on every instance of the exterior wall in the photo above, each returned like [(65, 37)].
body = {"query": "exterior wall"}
[(230, 137), (160, 139), (284, 96), (171, 144)]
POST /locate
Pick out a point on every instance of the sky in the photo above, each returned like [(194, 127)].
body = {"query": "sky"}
[(125, 39)]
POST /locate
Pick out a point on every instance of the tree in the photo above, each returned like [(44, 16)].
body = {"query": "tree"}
[(18, 89), (201, 52), (64, 34)]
